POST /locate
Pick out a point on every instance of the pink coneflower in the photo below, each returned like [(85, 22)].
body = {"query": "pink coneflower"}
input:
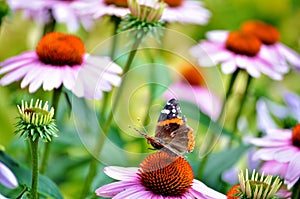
[(192, 88), (183, 11), (272, 48), (235, 50), (61, 59), (282, 147), (62, 11), (159, 176)]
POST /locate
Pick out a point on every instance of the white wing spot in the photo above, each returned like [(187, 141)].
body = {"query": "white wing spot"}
[(166, 111), (173, 110)]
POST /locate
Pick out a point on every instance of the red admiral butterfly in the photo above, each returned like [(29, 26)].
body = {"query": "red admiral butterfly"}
[(172, 134)]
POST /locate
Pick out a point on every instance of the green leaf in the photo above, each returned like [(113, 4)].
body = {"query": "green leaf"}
[(192, 111), (217, 163), (160, 79), (46, 187)]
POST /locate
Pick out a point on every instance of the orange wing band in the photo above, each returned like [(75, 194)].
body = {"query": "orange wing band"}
[(178, 121)]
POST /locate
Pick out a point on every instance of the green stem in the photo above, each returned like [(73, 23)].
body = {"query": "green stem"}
[(151, 88), (97, 151), (211, 136), (50, 26), (116, 20), (35, 169), (47, 147), (228, 93), (296, 191), (243, 99)]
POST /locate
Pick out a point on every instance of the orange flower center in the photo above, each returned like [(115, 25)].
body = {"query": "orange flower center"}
[(60, 49), (123, 3), (173, 3), (265, 32), (166, 175), (192, 75), (296, 135), (120, 3), (243, 43), (234, 192)]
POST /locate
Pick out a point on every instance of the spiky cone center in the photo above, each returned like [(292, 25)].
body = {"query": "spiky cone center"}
[(243, 43), (59, 49), (147, 11), (36, 120), (267, 33), (123, 3), (192, 75), (296, 135), (258, 186), (166, 175), (235, 192)]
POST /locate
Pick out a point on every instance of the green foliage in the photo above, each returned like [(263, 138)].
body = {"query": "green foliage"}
[(46, 187)]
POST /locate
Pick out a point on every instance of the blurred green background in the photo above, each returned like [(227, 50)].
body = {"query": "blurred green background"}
[(69, 157)]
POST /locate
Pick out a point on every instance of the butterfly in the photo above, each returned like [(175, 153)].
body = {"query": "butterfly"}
[(172, 134)]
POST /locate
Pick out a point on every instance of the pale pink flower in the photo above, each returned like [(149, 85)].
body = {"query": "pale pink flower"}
[(60, 59), (138, 183), (186, 11), (235, 50), (272, 49), (62, 11), (280, 149)]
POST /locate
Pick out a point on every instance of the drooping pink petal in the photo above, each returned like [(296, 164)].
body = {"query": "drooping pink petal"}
[(217, 35), (134, 192), (14, 75), (187, 12), (274, 168), (229, 66), (121, 173), (112, 189), (293, 171), (200, 188), (291, 56), (7, 178)]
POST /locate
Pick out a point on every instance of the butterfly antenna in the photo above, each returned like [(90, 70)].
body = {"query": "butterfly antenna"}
[(142, 125), (137, 130)]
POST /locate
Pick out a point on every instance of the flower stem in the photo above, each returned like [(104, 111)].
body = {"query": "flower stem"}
[(47, 147), (35, 169), (116, 20), (296, 190), (106, 128), (228, 93), (211, 136), (243, 99), (50, 26)]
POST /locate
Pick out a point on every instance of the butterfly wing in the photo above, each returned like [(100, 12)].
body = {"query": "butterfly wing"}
[(173, 130)]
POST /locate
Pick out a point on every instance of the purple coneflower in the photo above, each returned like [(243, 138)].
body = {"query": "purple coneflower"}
[(60, 59), (282, 148), (62, 11), (159, 176), (235, 50)]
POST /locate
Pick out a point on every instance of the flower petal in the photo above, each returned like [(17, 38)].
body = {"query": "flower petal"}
[(7, 178), (134, 193), (112, 189), (293, 171), (121, 173), (200, 190), (217, 35)]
